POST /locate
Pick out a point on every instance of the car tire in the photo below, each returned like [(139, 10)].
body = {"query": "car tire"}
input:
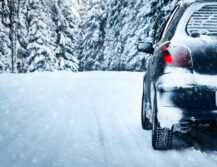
[(146, 125), (161, 137)]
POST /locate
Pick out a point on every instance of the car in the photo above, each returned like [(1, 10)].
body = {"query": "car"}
[(180, 85)]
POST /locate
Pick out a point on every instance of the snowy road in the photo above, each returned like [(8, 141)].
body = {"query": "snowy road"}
[(80, 120)]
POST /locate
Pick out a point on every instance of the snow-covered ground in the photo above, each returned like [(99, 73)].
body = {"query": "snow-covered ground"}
[(79, 120)]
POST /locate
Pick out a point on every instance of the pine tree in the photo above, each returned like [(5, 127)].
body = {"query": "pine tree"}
[(22, 34), (114, 42), (93, 36), (66, 41), (128, 23), (41, 39), (5, 43), (110, 35), (13, 5), (51, 36)]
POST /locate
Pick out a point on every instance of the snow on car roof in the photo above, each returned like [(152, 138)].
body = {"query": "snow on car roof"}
[(189, 1), (192, 1), (206, 0)]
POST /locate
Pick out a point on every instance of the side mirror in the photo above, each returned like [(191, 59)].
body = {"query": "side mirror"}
[(145, 47)]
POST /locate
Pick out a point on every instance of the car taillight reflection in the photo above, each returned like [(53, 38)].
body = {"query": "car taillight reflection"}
[(178, 56)]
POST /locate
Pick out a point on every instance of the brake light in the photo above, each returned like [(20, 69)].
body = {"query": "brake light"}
[(178, 56), (168, 59)]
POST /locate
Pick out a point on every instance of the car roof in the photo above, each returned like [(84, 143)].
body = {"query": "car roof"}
[(193, 1)]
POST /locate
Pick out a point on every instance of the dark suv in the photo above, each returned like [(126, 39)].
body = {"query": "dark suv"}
[(180, 86)]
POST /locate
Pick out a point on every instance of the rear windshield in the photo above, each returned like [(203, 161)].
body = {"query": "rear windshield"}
[(203, 22)]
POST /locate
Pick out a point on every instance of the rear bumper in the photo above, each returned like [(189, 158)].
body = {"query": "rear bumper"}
[(188, 97), (180, 99)]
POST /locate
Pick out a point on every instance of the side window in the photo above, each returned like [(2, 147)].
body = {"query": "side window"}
[(169, 22)]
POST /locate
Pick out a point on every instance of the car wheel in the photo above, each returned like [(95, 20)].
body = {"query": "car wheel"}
[(161, 137), (145, 121)]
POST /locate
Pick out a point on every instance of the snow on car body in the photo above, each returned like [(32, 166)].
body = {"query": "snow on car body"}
[(181, 81)]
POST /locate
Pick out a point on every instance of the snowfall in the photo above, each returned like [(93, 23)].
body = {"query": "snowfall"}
[(65, 119)]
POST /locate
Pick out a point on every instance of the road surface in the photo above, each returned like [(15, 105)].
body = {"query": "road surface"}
[(89, 119)]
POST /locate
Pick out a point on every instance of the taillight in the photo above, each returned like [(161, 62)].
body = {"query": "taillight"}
[(175, 55), (168, 59)]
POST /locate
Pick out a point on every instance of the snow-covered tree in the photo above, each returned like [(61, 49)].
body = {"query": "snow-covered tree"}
[(114, 40), (13, 4), (128, 23), (102, 35), (109, 42), (50, 37), (41, 39), (5, 43), (65, 21), (93, 35), (22, 34)]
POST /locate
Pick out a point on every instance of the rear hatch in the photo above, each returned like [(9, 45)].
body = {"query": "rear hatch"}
[(203, 27)]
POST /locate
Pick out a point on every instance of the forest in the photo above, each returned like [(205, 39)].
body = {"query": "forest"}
[(78, 35)]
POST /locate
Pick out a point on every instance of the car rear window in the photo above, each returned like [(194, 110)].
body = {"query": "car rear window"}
[(203, 22)]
